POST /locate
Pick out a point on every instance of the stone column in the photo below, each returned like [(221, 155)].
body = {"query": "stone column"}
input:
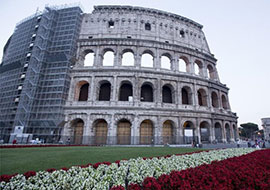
[(115, 88), (196, 103), (92, 90), (213, 130), (209, 98), (135, 132), (232, 133), (98, 57), (137, 60), (224, 139), (117, 58), (159, 134), (157, 62), (112, 132), (197, 130), (87, 131), (158, 93), (179, 132)]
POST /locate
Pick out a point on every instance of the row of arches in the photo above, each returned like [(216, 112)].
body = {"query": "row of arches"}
[(147, 132), (147, 59), (147, 94)]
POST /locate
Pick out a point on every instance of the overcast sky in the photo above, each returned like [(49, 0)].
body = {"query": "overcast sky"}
[(237, 31)]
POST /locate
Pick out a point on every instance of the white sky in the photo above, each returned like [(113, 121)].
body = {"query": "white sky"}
[(237, 31)]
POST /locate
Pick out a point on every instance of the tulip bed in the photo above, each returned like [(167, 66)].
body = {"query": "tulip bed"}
[(140, 173)]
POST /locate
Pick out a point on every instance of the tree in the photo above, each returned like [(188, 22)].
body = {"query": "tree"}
[(248, 129)]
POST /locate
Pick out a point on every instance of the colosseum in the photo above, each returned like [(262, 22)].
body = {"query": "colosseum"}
[(145, 76)]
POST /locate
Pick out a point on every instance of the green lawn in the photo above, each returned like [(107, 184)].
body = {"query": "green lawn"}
[(20, 160)]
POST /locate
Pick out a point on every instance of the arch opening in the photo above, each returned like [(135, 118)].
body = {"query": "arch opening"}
[(224, 102), (205, 132), (89, 59), (202, 97), (77, 126), (186, 95), (101, 130), (108, 58), (147, 60), (210, 72), (218, 132), (83, 94), (228, 132), (235, 132), (146, 93), (128, 59), (124, 132), (167, 132), (167, 94), (146, 132), (214, 98), (126, 92), (198, 67), (165, 62), (182, 65), (105, 91), (189, 132)]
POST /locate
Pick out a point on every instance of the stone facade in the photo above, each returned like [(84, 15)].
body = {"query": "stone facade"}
[(139, 103), (266, 128)]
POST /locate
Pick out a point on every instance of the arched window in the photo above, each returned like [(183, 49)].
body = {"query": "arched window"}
[(202, 97), (186, 95), (167, 94), (146, 93), (89, 59), (126, 92), (146, 132), (198, 67), (224, 102), (83, 95), (101, 130), (123, 132), (167, 132), (105, 91), (214, 99), (165, 62), (147, 60), (108, 58), (128, 59), (182, 65), (210, 72)]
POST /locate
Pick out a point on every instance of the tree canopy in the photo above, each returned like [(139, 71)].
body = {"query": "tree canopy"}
[(247, 129)]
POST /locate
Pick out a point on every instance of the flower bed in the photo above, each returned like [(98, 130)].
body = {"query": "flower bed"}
[(123, 173), (245, 172)]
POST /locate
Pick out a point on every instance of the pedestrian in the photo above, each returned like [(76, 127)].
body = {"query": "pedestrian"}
[(68, 141), (263, 145), (194, 144), (249, 144), (14, 141), (238, 144)]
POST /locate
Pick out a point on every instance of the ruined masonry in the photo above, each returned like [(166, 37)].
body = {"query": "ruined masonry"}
[(119, 75)]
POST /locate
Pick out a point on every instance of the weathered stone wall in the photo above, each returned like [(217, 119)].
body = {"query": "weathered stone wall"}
[(130, 35)]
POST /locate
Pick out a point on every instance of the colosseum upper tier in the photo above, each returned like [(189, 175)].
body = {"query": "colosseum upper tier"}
[(145, 76)]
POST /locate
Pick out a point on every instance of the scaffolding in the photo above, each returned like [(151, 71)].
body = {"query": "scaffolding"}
[(41, 76)]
